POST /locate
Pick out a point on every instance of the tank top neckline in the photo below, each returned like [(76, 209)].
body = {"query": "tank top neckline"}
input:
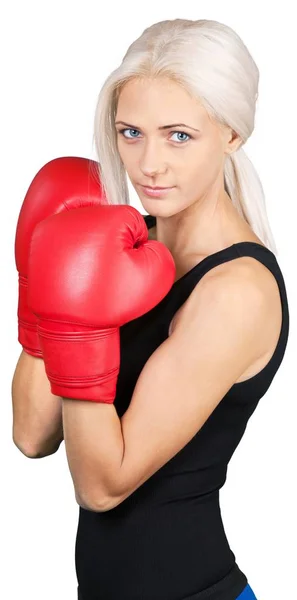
[(209, 257), (222, 252)]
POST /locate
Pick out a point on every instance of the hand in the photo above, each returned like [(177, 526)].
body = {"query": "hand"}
[(90, 271), (62, 184)]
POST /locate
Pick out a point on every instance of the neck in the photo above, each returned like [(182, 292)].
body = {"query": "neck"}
[(203, 228)]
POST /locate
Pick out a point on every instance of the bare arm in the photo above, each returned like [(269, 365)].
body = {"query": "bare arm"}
[(223, 329), (37, 413)]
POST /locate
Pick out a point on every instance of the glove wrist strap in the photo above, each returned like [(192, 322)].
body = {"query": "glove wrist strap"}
[(80, 362)]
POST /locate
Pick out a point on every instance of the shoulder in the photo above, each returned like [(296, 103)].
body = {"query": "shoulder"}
[(245, 274), (246, 277), (233, 288), (241, 297)]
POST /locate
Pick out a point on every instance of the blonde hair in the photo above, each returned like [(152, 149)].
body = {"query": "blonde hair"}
[(210, 61)]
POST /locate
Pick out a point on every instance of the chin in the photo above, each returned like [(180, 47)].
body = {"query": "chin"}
[(156, 211)]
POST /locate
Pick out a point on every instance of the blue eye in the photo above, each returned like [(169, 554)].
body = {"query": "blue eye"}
[(182, 133), (121, 131)]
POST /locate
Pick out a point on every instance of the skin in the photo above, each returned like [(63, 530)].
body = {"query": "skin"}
[(197, 217), (231, 316), (109, 457)]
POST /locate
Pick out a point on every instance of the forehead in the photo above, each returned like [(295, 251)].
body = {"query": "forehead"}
[(161, 100)]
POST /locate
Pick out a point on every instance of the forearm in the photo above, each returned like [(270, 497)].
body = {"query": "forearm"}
[(95, 448), (37, 413)]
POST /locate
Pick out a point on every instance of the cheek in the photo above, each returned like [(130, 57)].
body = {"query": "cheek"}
[(127, 155), (120, 147), (200, 177), (125, 158), (206, 163)]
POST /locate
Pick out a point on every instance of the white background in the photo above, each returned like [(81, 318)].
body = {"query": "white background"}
[(54, 58)]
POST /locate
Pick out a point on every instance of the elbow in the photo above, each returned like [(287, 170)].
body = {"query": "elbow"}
[(93, 502), (31, 451), (25, 450)]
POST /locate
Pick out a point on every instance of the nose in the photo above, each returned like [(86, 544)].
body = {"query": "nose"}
[(151, 162)]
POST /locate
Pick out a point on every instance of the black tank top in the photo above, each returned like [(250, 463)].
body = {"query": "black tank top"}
[(166, 541)]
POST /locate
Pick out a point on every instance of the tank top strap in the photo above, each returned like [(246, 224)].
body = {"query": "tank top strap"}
[(183, 287), (189, 280), (150, 221)]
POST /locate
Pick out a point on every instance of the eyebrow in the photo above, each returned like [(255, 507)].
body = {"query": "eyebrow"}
[(162, 127)]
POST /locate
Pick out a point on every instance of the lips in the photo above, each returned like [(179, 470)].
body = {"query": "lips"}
[(149, 187)]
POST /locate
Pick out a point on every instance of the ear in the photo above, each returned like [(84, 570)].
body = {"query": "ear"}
[(233, 141)]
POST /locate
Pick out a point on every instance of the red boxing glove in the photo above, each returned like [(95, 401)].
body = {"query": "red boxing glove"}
[(60, 185), (90, 271)]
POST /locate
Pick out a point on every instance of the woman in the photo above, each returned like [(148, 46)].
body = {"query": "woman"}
[(175, 115)]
